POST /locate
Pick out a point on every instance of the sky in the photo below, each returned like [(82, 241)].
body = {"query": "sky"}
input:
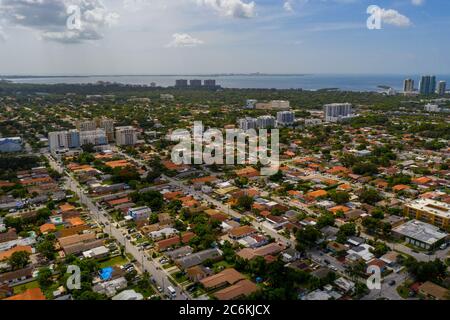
[(79, 37)]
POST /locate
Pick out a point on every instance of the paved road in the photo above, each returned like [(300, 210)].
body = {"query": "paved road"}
[(388, 291), (419, 256), (143, 258)]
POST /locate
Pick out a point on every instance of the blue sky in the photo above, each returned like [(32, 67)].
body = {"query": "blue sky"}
[(211, 36)]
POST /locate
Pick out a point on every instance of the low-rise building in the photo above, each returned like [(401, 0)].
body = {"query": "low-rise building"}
[(430, 211), (222, 279), (420, 234)]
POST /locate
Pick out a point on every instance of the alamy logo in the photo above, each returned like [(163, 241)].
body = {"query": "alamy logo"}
[(374, 20), (374, 281), (74, 281), (239, 147), (74, 19)]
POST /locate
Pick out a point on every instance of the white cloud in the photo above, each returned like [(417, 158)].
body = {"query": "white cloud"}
[(49, 18), (2, 35), (417, 2), (183, 40), (287, 6), (231, 8), (393, 17)]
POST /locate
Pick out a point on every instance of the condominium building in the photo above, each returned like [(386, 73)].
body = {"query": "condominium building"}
[(265, 122), (408, 85), (107, 125), (181, 83), (210, 83), (248, 123), (280, 104), (64, 139), (95, 137), (126, 136), (430, 211), (336, 112), (427, 85), (86, 125), (285, 118), (274, 105), (442, 87), (195, 83)]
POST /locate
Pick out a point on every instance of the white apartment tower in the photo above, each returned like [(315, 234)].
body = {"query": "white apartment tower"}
[(336, 112), (266, 122), (248, 123), (285, 118), (408, 85), (126, 136), (86, 125)]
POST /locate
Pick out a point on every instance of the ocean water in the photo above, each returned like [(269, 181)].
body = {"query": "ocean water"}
[(307, 81)]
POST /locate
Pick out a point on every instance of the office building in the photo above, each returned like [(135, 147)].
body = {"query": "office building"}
[(285, 118), (442, 87), (181, 83), (64, 139), (126, 136), (95, 137), (408, 85), (248, 123), (430, 211), (336, 112), (86, 125), (11, 144), (266, 122), (427, 85), (107, 125)]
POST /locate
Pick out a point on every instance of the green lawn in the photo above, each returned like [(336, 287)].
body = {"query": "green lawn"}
[(22, 287), (147, 292), (119, 260), (179, 277), (403, 291), (221, 265)]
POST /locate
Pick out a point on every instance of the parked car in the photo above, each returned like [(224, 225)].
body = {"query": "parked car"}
[(392, 282)]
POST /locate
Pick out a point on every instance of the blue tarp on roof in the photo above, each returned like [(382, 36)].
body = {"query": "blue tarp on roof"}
[(106, 273)]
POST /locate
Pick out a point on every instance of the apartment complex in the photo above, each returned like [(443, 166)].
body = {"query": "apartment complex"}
[(427, 85), (266, 122), (408, 85), (285, 118), (442, 87), (430, 211), (126, 136), (64, 139), (336, 112), (248, 123)]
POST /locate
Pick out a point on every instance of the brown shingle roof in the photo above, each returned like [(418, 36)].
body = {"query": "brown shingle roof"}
[(241, 289), (226, 277)]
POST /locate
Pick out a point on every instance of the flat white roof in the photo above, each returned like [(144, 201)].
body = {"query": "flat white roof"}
[(437, 208), (421, 231)]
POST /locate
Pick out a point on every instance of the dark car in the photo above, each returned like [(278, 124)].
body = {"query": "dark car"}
[(392, 282)]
